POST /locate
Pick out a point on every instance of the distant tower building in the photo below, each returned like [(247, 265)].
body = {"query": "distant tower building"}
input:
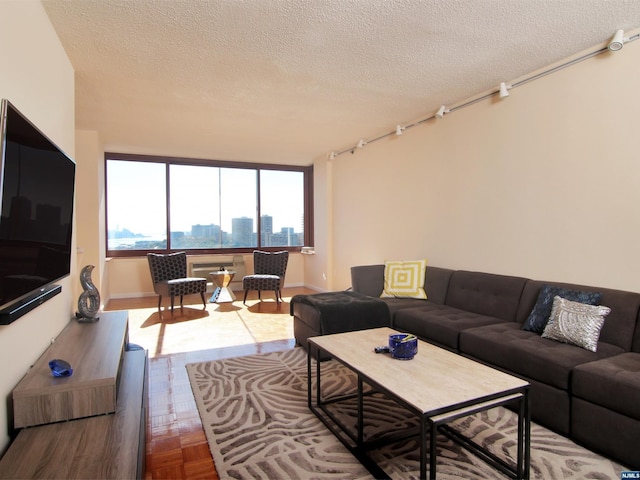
[(201, 230), (242, 232), (209, 232), (266, 224), (266, 230), (286, 237), (216, 234)]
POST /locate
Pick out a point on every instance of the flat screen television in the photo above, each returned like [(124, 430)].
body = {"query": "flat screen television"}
[(37, 182)]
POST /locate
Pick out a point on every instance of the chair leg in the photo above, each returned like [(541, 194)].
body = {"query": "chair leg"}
[(172, 301), (245, 297), (159, 302), (277, 298), (204, 302), (181, 296), (259, 297)]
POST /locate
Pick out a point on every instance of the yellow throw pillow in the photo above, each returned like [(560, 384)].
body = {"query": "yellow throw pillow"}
[(404, 279)]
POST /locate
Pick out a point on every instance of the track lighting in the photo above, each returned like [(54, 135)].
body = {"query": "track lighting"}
[(617, 42), (504, 90), (441, 111)]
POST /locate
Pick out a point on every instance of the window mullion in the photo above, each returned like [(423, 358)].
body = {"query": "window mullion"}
[(168, 204), (258, 211)]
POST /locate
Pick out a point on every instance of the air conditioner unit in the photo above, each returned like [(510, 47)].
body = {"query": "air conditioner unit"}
[(201, 266)]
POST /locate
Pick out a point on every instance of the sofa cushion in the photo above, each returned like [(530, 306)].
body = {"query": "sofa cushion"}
[(612, 382), (404, 279), (396, 304), (485, 294), (440, 324), (621, 322), (539, 316), (507, 346), (369, 280), (436, 283), (576, 323)]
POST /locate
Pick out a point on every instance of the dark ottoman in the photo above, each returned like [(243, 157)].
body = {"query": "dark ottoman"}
[(336, 312)]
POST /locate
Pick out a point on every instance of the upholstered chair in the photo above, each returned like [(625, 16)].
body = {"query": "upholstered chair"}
[(169, 276), (269, 270)]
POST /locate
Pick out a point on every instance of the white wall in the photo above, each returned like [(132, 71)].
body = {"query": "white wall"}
[(37, 78), (90, 208), (317, 267), (544, 184)]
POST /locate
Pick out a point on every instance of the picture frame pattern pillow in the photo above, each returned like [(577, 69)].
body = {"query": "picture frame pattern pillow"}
[(576, 323), (539, 316), (404, 279)]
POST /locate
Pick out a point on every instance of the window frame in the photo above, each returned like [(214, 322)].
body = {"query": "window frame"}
[(168, 161)]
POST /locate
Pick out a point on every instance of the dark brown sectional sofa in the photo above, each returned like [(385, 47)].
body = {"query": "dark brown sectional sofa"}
[(591, 397)]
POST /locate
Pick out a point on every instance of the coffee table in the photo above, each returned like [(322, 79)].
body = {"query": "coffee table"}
[(437, 385)]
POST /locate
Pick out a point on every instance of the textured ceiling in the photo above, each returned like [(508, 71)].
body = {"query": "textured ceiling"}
[(288, 81)]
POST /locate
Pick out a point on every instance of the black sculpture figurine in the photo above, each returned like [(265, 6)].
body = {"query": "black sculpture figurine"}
[(89, 301)]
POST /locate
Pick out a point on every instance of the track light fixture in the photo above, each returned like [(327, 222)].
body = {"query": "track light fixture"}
[(441, 111), (617, 42), (504, 90)]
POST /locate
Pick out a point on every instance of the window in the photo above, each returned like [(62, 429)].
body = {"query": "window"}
[(281, 208), (171, 204)]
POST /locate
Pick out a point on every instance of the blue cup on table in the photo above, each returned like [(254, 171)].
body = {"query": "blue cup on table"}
[(403, 346)]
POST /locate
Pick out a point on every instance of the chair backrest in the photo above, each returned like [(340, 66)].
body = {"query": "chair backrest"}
[(167, 266), (270, 263)]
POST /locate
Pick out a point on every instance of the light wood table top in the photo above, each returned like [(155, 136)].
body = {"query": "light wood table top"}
[(434, 381)]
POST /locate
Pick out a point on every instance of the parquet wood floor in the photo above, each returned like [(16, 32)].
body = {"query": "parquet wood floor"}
[(176, 444)]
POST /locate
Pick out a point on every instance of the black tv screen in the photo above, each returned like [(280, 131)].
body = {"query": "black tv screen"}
[(37, 186)]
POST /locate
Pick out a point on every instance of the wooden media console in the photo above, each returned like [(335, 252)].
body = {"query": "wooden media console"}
[(91, 424)]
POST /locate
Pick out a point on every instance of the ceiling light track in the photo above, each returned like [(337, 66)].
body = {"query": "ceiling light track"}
[(616, 44)]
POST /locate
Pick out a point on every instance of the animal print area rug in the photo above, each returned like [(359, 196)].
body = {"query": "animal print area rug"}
[(255, 416)]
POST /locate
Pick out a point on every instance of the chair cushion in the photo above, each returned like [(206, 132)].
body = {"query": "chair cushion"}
[(261, 282), (186, 286)]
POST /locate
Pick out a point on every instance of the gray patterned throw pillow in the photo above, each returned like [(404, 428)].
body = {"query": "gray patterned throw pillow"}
[(576, 323)]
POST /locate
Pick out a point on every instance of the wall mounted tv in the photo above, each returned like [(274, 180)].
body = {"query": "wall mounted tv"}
[(36, 199)]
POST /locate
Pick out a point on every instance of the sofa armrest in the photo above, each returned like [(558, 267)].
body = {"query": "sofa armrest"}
[(368, 279)]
